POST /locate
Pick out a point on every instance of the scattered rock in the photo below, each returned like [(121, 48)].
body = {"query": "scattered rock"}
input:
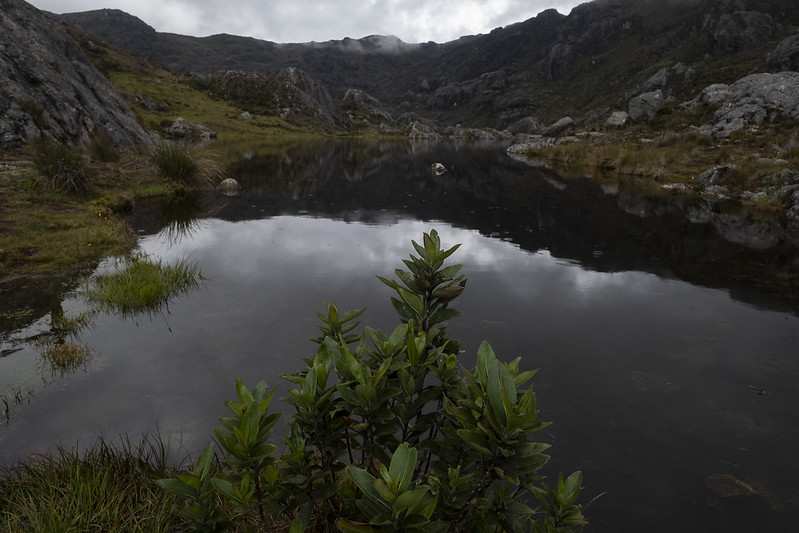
[(460, 133), (526, 125), (183, 129), (715, 175), (712, 95), (617, 119), (645, 106), (246, 115), (564, 126)]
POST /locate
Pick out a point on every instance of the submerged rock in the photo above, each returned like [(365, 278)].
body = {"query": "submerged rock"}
[(229, 187)]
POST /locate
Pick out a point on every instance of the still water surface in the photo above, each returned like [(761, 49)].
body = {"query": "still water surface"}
[(650, 347)]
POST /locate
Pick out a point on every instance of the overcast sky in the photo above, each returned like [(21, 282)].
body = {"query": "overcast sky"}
[(286, 21)]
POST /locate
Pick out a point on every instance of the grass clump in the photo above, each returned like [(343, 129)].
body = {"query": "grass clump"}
[(182, 165), (106, 488), (61, 167), (143, 285), (66, 357)]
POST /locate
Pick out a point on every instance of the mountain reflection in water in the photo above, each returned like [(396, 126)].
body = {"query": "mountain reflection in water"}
[(652, 337)]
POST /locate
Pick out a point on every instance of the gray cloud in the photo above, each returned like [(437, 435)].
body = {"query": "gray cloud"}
[(285, 21)]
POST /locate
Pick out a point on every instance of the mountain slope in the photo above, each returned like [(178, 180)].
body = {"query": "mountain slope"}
[(549, 66)]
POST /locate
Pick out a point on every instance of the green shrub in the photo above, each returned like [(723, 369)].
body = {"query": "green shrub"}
[(389, 433), (180, 164), (61, 167)]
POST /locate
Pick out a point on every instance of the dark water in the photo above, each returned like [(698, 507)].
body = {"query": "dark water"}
[(653, 335)]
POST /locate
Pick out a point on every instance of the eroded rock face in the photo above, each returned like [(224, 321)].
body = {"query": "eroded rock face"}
[(786, 55), (736, 29), (49, 89)]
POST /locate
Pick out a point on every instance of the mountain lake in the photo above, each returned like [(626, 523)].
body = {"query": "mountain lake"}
[(669, 369)]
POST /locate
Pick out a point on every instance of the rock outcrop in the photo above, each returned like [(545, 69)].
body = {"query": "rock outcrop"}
[(362, 108), (733, 29), (49, 89), (786, 55), (753, 100)]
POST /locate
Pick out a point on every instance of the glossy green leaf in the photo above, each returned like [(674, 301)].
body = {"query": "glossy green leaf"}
[(403, 464), (365, 483), (408, 499), (347, 526), (242, 392), (178, 487)]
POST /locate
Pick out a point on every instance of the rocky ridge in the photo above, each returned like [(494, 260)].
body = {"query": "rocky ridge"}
[(49, 89)]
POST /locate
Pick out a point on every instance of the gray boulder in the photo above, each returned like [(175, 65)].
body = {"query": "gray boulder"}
[(564, 126), (617, 119), (183, 129), (49, 89), (526, 125), (715, 175), (712, 95), (645, 106), (756, 99), (786, 55)]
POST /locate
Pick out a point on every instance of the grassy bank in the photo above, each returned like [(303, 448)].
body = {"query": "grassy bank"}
[(106, 488), (670, 151), (44, 229)]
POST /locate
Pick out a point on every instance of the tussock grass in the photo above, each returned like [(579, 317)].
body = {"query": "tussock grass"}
[(180, 164), (61, 167), (143, 285), (106, 488)]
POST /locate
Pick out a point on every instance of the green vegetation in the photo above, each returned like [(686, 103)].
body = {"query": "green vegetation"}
[(142, 285), (46, 230), (181, 164), (388, 433), (105, 488), (669, 151), (66, 357), (61, 167)]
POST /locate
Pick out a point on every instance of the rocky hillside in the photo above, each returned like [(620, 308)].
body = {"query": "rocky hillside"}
[(49, 89), (597, 59)]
